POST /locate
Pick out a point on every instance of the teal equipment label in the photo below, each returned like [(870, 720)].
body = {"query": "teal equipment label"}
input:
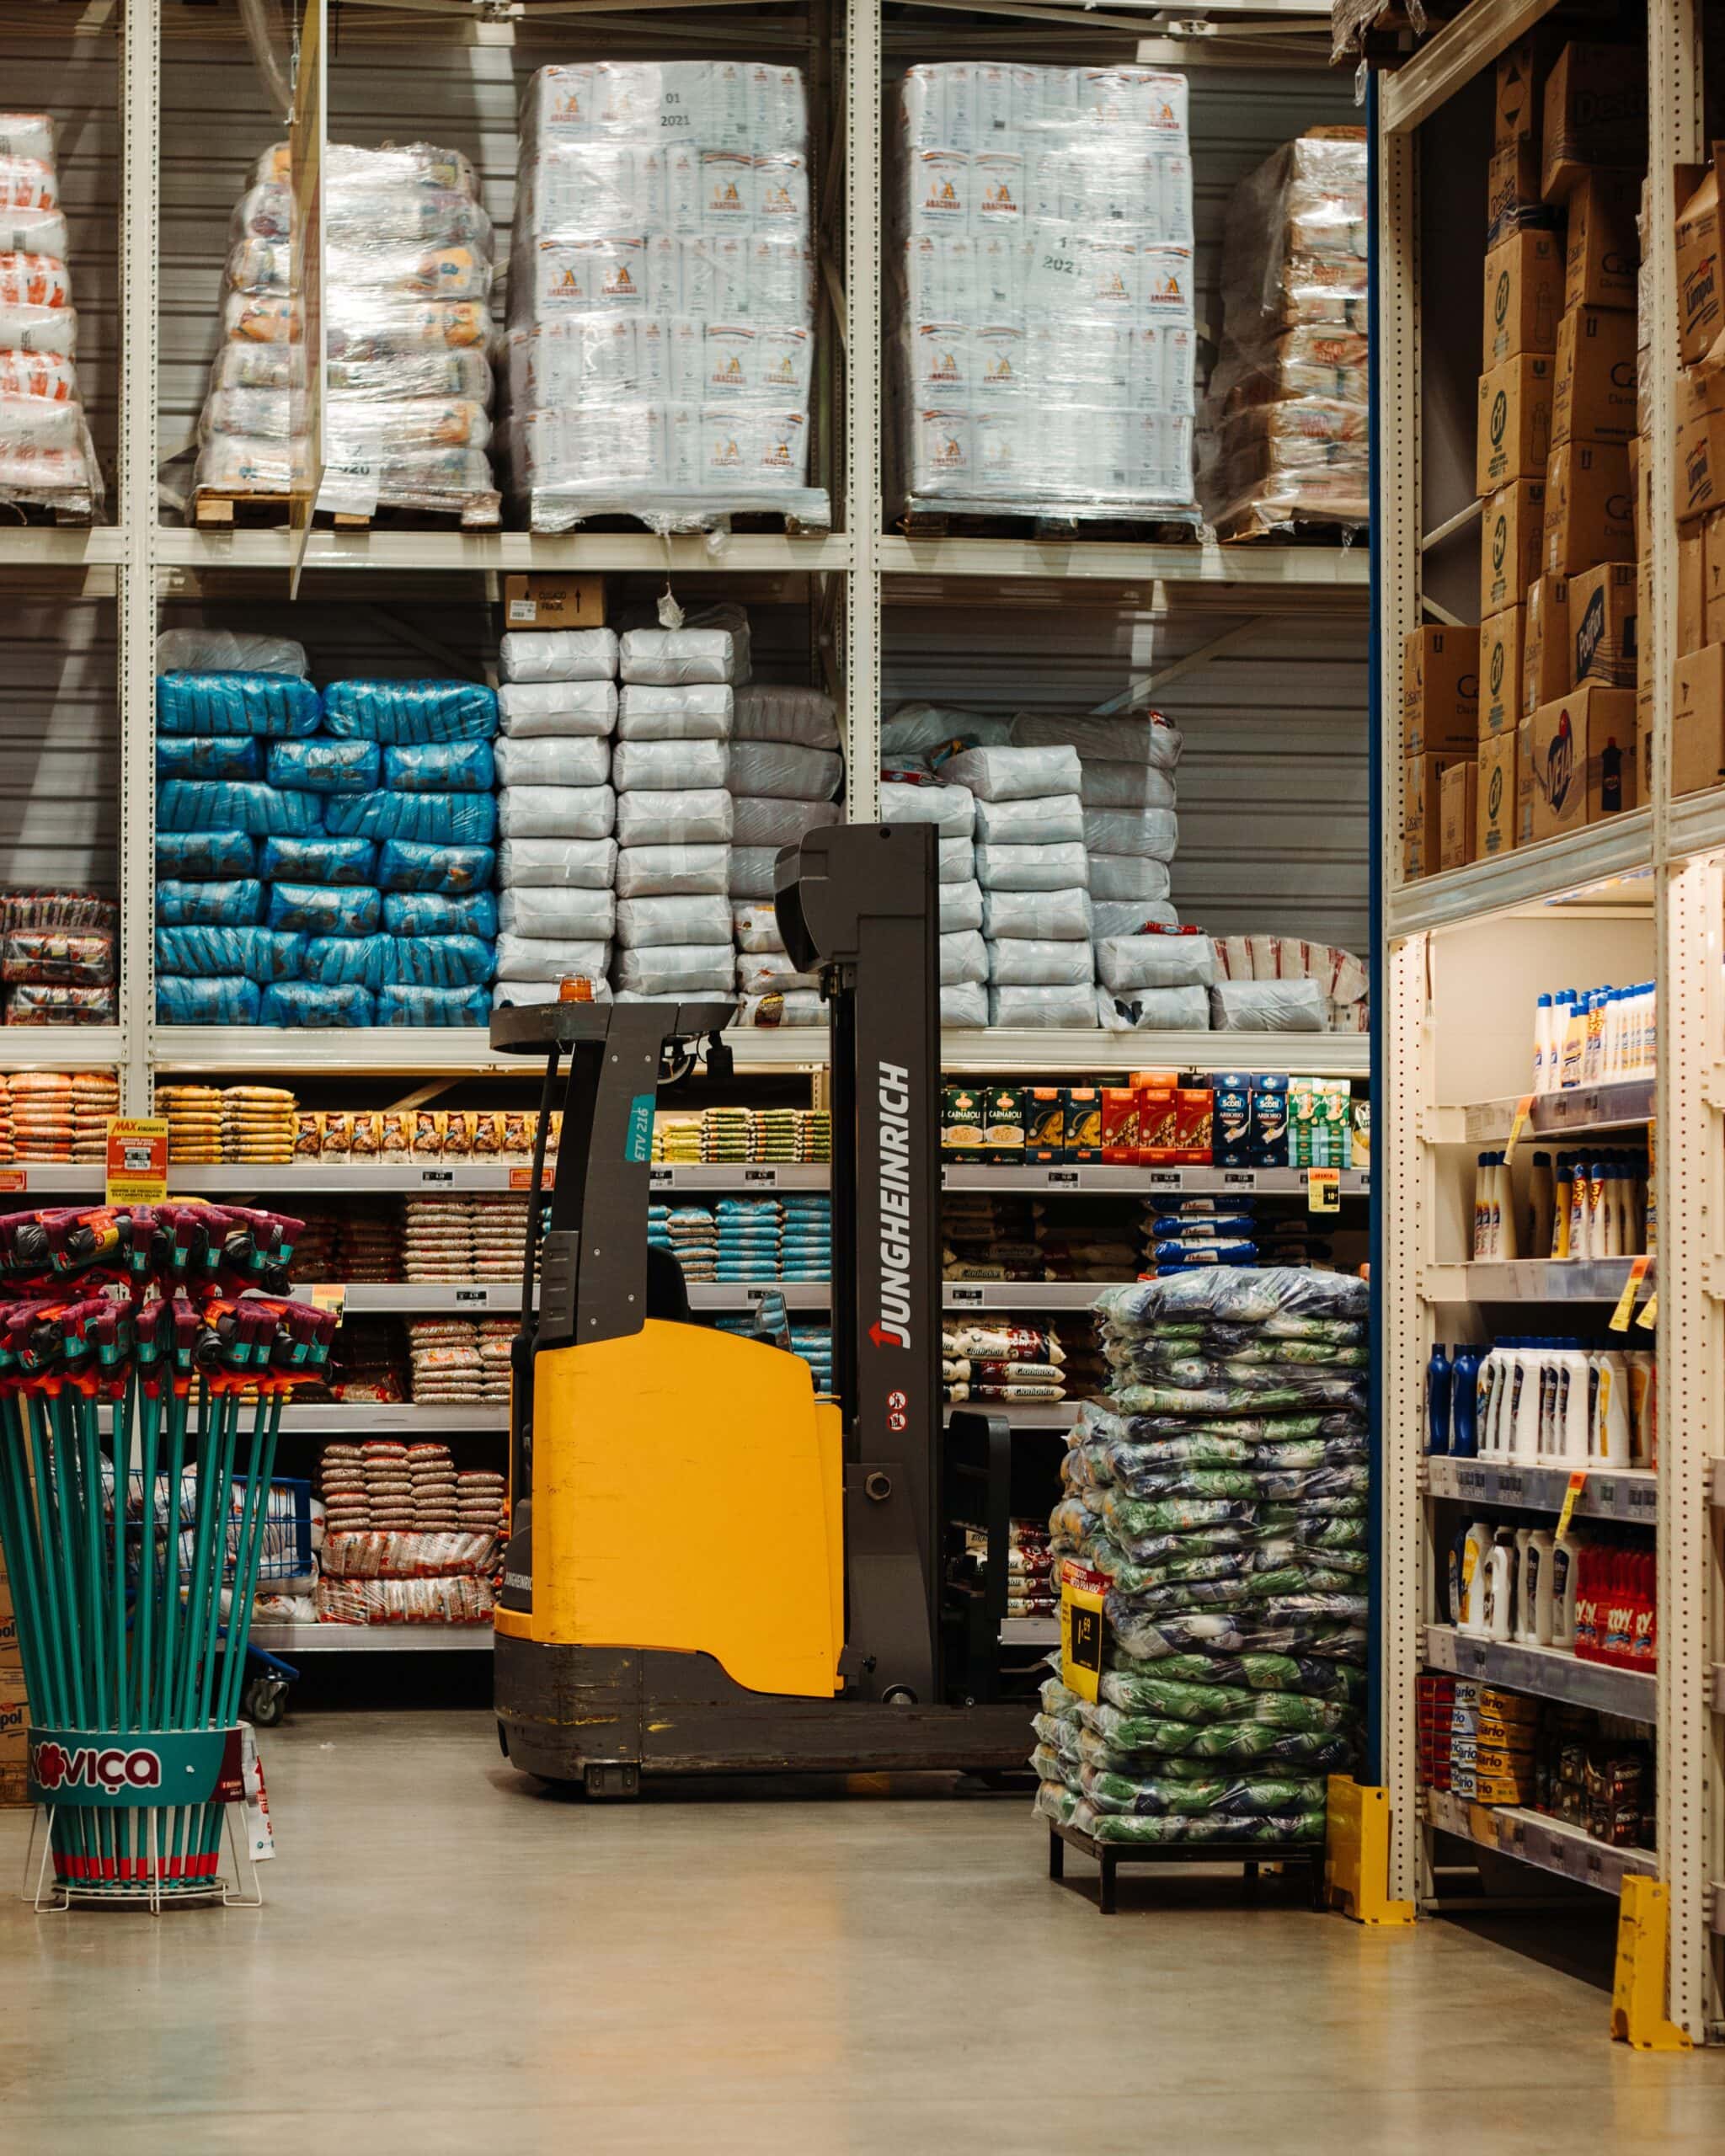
[(637, 1143)]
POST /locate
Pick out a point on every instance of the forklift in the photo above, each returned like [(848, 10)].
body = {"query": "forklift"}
[(710, 1568)]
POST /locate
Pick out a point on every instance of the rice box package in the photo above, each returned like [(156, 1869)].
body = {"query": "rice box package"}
[(1081, 1117), (1230, 1103)]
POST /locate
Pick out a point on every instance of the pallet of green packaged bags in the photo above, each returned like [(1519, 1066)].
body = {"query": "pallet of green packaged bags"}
[(1109, 1856)]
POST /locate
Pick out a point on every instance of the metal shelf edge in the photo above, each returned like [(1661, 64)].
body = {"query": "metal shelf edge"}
[(1531, 1838), (1623, 1493), (1523, 875), (1548, 1672), (1452, 57)]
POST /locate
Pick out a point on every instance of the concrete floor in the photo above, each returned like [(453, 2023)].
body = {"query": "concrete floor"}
[(453, 1961)]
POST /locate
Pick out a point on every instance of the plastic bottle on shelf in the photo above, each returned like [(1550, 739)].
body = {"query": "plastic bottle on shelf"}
[(1563, 1193), (1521, 1626), (1642, 1381), (1565, 1580), (1542, 1055), (1578, 1199), (1521, 1427), (1536, 1214), (1438, 1378), (1608, 1437), (1492, 1393), (1482, 1205), (1497, 1611), (1573, 1047), (1476, 1548), (1606, 1229), (1593, 1049), (1508, 1242), (1464, 1402), (1538, 1613), (1569, 1427)]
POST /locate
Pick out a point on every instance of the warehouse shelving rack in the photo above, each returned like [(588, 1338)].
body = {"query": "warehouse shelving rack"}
[(1666, 856)]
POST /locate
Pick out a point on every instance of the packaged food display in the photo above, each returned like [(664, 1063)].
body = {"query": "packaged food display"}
[(1285, 418), (1040, 290), (661, 322), (59, 958), (47, 459)]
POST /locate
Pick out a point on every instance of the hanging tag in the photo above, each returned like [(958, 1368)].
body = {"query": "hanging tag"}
[(1323, 1190), (1577, 1483), (137, 1160), (1081, 1624), (1647, 1314), (1523, 1109), (330, 1295), (1619, 1321)]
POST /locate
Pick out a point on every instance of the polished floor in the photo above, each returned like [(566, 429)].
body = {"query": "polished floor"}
[(450, 1960)]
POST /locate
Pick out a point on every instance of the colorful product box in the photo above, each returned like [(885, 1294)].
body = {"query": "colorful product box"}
[(1081, 1108), (1194, 1110), (1119, 1126), (1045, 1125)]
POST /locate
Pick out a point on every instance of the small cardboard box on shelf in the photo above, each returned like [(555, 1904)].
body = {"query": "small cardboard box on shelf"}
[(1500, 645), (1593, 393), (1514, 439), (554, 602), (1700, 304), (1698, 478), (1421, 801), (1691, 589), (1602, 248), (1603, 605), (1519, 86), (1523, 294), (1589, 507), (1494, 795), (1458, 814), (1545, 650), (1595, 114), (1580, 764), (1511, 536), (1440, 689), (1513, 197), (1698, 720), (1712, 531)]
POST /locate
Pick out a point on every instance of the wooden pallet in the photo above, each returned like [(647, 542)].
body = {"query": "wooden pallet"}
[(215, 510)]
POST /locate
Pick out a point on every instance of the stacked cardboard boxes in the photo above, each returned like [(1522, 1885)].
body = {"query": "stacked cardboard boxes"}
[(1698, 675), (1555, 665)]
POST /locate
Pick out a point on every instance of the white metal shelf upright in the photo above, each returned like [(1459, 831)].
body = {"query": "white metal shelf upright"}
[(1666, 841)]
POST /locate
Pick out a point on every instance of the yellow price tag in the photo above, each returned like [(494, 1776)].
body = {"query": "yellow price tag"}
[(1081, 1625), (1323, 1190), (1523, 1109), (1576, 1481), (329, 1295), (136, 1160), (1647, 1314), (1619, 1321)]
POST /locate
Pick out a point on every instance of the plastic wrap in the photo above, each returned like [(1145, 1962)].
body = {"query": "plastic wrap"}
[(1058, 915), (529, 708), (693, 817), (1184, 1010), (965, 1004), (1043, 1007), (292, 860), (569, 864), (702, 711), (963, 957), (1128, 879), (57, 957), (785, 772), (661, 293), (712, 646), (1262, 1006), (1108, 785), (667, 872), (540, 655), (689, 919), (960, 906), (675, 968), (402, 1004), (1023, 774), (951, 809), (211, 756), (238, 902), (1055, 821), (1031, 868), (47, 460), (258, 954), (1286, 415), (659, 766), (1021, 961), (752, 872), (205, 856), (236, 804), (771, 973), (429, 912), (323, 909), (407, 276), (799, 1007), (1129, 917), (1149, 834), (204, 1000), (440, 767), (379, 960), (525, 993), (228, 651), (1138, 737), (761, 821), (772, 711), (236, 703), (546, 958), (755, 929), (1136, 961), (315, 766), (566, 913), (466, 820), (310, 1003), (1039, 295), (451, 871), (557, 812), (402, 712)]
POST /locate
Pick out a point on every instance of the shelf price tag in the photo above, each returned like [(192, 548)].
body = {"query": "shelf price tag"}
[(1578, 1483), (1064, 1179), (1239, 1178), (963, 1298), (137, 1160), (1648, 1314), (437, 1175), (1619, 1319), (1167, 1179), (329, 1295), (1082, 1627), (14, 1179), (1523, 1110), (478, 1297), (522, 1178), (1323, 1190), (657, 1179), (766, 1177)]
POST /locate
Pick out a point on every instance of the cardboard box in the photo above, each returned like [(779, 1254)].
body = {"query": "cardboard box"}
[(1712, 530), (1083, 1120), (1641, 492), (1045, 1125), (1513, 197), (1603, 605), (1692, 590), (1157, 1147), (1500, 642), (1422, 809), (1698, 720), (1192, 1109), (1602, 247), (1514, 437), (1595, 114), (1003, 1125), (1494, 795), (1698, 481), (1546, 648), (1700, 305), (1523, 295), (1589, 509), (1512, 544), (1520, 87), (1594, 393), (1458, 814), (554, 602), (961, 1122), (1580, 763), (1439, 690), (1119, 1125)]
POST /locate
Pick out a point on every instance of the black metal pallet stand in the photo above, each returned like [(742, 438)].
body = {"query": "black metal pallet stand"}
[(1109, 1856)]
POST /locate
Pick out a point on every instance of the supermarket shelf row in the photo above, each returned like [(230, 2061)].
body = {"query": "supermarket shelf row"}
[(1621, 845), (1623, 1493), (1548, 1672), (404, 1418), (1530, 1837), (1578, 1111), (1289, 1182)]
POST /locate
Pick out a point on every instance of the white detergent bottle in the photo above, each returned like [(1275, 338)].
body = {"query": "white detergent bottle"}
[(1483, 1205), (1577, 1210), (1476, 1548), (1524, 1585), (1563, 1585), (1490, 1389), (1572, 1411), (1537, 1602), (1496, 1613), (1574, 1043), (1608, 1439), (1542, 1045), (1548, 1401), (1519, 1422)]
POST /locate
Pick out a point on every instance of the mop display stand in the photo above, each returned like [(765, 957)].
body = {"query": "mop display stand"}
[(176, 1776)]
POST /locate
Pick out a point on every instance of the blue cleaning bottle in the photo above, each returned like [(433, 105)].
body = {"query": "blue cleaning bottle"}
[(1464, 1401), (1437, 1401)]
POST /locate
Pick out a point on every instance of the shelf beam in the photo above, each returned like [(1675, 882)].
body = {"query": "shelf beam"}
[(1451, 58)]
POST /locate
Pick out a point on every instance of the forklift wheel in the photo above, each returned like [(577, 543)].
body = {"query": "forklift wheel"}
[(265, 1702), (502, 1737)]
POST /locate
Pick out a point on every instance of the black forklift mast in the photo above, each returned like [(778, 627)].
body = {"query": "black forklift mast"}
[(855, 903)]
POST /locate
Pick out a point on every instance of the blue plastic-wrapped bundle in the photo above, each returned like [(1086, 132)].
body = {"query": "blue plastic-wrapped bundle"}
[(441, 767), (203, 855), (209, 755), (261, 954), (399, 1005), (289, 860), (326, 766), (441, 961), (326, 908), (429, 913), (236, 703), (206, 1000), (238, 904), (189, 805), (313, 1003), (449, 871), (411, 711), (340, 961), (432, 819)]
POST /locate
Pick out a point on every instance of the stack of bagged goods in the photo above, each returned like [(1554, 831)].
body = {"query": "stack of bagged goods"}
[(984, 1237), (360, 1243), (912, 794), (1155, 979), (1222, 1489), (321, 860), (1285, 421), (481, 1499), (259, 1124), (556, 864), (750, 1237), (1095, 1251), (1002, 1361), (1040, 290), (813, 1343), (47, 460), (1032, 1590), (499, 1225), (1126, 783), (1184, 1232), (734, 1136), (1035, 938), (474, 1238), (59, 955), (365, 1363), (676, 1138), (8, 1131), (406, 323), (60, 1116), (726, 1137), (675, 820), (786, 767), (805, 1250), (95, 1097), (450, 1366), (1279, 984), (690, 1234), (400, 1545), (661, 295)]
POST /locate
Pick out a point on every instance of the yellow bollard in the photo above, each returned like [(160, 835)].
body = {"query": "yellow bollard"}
[(1357, 1854), (1638, 1988)]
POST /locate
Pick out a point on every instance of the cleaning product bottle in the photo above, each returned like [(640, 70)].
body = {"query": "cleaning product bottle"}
[(1494, 1205), (1640, 1361), (1537, 1211), (1609, 1443), (1464, 1397), (1574, 1387), (1538, 1615), (1587, 1574), (1542, 1040), (1476, 1548), (1508, 1242), (1612, 1209), (1578, 1209), (1574, 1043), (1643, 1639), (1562, 1192), (1565, 1580), (1482, 1205), (1438, 1376), (1521, 1427), (1522, 1628), (1594, 1043), (1485, 1397), (1497, 1613)]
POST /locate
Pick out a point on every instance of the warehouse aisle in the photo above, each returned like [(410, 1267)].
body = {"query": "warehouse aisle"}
[(451, 1961)]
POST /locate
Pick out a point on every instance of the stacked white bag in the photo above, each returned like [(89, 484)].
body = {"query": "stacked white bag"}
[(557, 858), (46, 455), (908, 796), (786, 766), (1034, 883), (670, 768)]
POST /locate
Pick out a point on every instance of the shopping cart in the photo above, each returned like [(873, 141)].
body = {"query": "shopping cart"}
[(287, 1555)]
